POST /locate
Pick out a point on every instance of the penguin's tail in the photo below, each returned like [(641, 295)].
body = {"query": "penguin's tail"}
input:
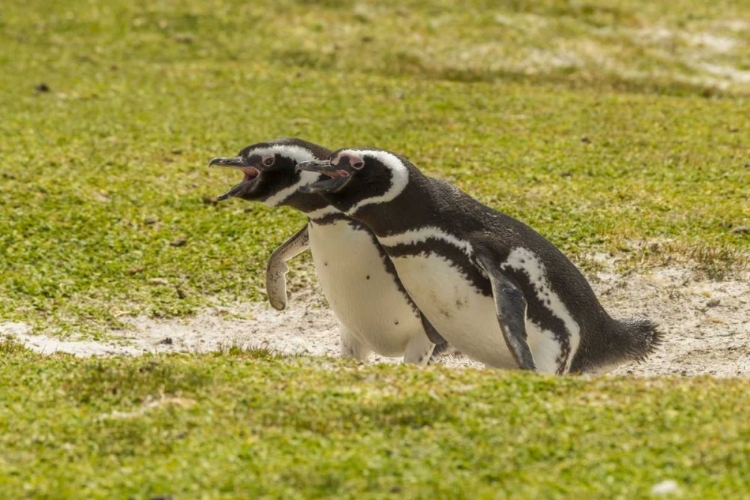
[(638, 338), (621, 341)]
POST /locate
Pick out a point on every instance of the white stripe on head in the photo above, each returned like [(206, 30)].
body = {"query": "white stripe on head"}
[(399, 176), (527, 261), (423, 234), (296, 153)]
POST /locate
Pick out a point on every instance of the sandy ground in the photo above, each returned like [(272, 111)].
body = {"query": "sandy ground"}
[(706, 326)]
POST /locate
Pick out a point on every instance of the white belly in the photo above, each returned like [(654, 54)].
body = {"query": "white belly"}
[(361, 293), (463, 316)]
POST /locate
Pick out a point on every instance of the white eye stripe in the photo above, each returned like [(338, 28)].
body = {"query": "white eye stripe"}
[(399, 175), (296, 153)]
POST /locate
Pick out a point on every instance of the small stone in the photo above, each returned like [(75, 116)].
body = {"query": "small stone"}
[(150, 220), (158, 281), (741, 230), (184, 38), (713, 302), (166, 341), (668, 487), (176, 151), (42, 88), (180, 292), (179, 242), (585, 140), (135, 270)]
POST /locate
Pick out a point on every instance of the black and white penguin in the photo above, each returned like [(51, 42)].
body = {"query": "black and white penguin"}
[(357, 277), (493, 287)]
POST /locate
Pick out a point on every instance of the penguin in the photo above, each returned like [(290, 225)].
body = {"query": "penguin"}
[(357, 277), (494, 288)]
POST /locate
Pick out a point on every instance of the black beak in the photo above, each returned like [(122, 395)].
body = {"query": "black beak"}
[(236, 190), (338, 178), (238, 162), (319, 166), (232, 161)]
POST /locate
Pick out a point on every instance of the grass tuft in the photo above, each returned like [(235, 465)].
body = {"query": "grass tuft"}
[(598, 125), (220, 426), (712, 262), (9, 347), (259, 352)]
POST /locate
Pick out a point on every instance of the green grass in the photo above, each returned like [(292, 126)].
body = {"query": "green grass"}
[(104, 171), (241, 426), (609, 126)]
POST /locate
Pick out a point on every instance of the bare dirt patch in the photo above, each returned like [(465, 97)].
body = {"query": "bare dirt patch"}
[(706, 326)]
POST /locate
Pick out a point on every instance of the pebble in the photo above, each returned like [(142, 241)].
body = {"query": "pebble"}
[(668, 487)]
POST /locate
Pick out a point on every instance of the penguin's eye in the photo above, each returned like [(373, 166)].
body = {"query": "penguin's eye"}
[(357, 165), (268, 161)]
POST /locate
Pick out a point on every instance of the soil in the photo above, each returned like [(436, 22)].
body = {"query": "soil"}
[(706, 326)]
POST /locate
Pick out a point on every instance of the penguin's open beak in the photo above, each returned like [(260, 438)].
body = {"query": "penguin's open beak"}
[(231, 161), (338, 178), (250, 174), (319, 166)]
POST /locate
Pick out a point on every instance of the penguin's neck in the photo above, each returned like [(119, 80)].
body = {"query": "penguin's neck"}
[(414, 207)]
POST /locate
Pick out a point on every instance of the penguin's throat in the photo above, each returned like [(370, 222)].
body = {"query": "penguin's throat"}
[(336, 174), (250, 174)]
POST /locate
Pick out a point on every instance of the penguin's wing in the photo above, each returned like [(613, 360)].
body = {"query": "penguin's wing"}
[(276, 269), (432, 334), (511, 312)]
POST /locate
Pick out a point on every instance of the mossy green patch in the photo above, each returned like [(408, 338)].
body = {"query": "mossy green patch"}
[(111, 112), (239, 425)]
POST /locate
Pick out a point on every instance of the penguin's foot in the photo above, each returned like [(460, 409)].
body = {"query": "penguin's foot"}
[(418, 350), (352, 347)]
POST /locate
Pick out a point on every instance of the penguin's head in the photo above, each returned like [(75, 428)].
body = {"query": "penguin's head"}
[(270, 175), (358, 177)]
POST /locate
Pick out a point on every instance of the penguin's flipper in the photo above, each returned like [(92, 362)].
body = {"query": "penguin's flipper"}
[(276, 269), (432, 334), (511, 313)]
